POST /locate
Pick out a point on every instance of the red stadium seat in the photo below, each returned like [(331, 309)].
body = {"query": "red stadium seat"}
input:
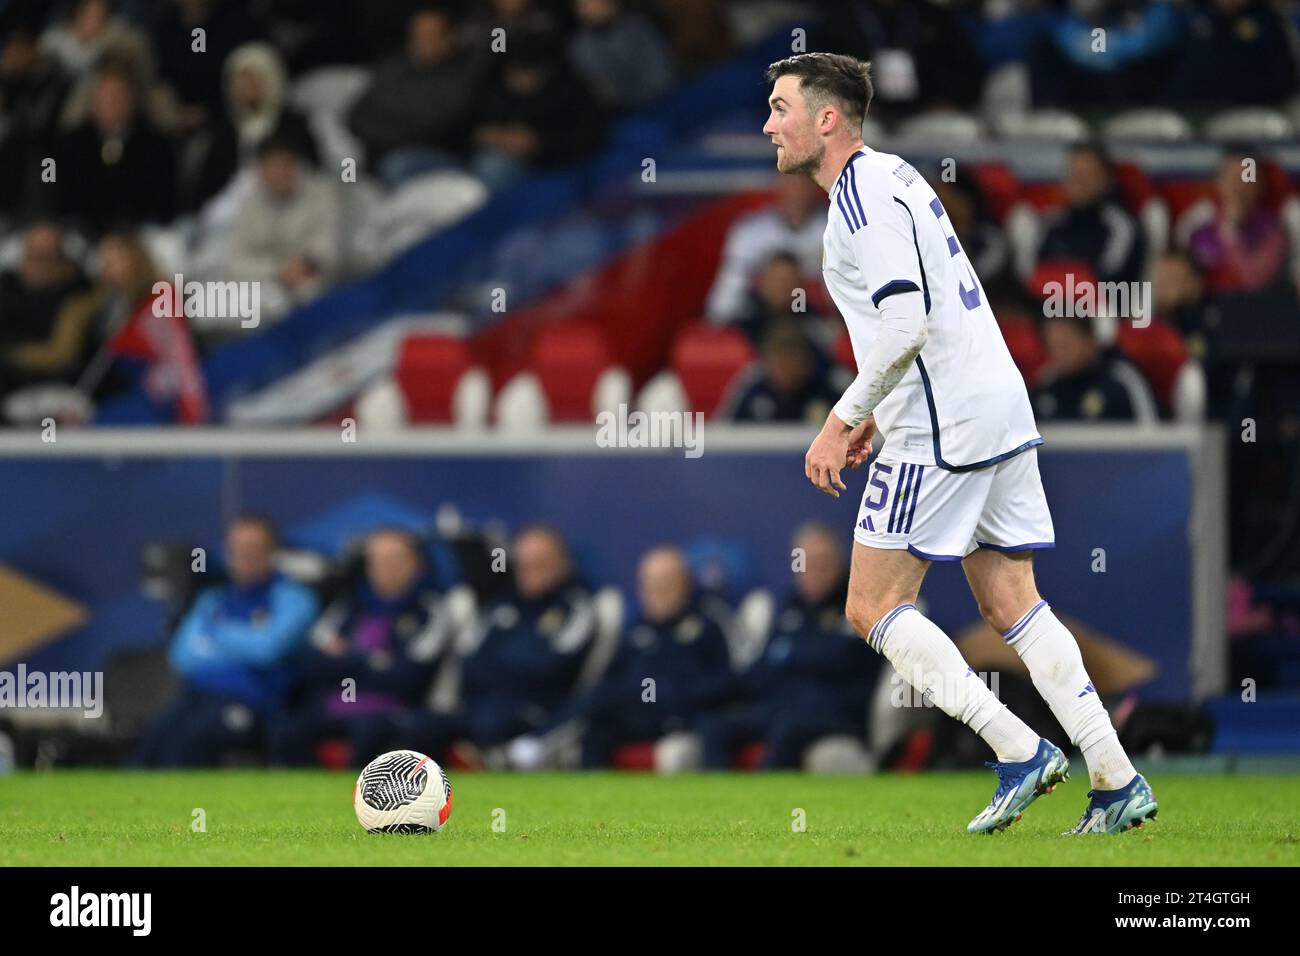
[(1020, 332), (1062, 271), (1183, 194), (843, 352), (1134, 184), (706, 359), (998, 184), (568, 359), (429, 367), (1159, 353)]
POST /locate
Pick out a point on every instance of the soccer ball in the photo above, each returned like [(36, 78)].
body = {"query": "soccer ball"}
[(402, 792)]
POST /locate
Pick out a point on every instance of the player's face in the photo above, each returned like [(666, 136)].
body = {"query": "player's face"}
[(790, 126)]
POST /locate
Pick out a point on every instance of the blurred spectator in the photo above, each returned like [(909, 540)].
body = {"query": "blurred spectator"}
[(814, 678), (313, 33), (786, 385), (1179, 294), (619, 53), (1083, 382), (779, 296), (414, 116), (31, 91), (1244, 248), (921, 58), (674, 646), (531, 645), (90, 27), (794, 224), (535, 114), (235, 652), (116, 166), (93, 37), (387, 635), (1094, 226), (699, 32), (1233, 52), (256, 91), (33, 346), (516, 17), (193, 72), (287, 232), (1099, 52), (139, 342)]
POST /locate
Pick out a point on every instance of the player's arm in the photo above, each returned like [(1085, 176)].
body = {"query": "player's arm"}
[(884, 247)]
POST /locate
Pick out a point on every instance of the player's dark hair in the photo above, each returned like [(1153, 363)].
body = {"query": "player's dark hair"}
[(825, 76)]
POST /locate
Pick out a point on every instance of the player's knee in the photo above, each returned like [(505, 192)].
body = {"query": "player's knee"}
[(1002, 611), (864, 613)]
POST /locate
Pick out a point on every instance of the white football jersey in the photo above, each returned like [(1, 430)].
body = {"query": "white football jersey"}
[(963, 404)]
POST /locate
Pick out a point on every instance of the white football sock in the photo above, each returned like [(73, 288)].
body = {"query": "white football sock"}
[(925, 657), (1052, 655)]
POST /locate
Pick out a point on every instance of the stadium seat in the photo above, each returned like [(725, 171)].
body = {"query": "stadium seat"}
[(608, 606), (1024, 232), (1020, 332), (1147, 125), (1191, 393), (1159, 353), (753, 621), (438, 382), (998, 185), (941, 128), (1048, 125), (842, 351), (1252, 123), (420, 206), (1059, 271), (570, 377), (706, 360)]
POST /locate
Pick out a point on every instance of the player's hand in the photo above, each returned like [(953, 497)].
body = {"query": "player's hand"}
[(827, 455), (860, 442)]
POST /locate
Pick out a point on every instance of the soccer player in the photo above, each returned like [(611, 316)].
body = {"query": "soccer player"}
[(957, 476)]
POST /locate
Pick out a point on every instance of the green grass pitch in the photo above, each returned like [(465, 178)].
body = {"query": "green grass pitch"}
[(79, 818)]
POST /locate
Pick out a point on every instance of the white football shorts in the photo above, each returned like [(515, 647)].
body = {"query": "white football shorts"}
[(944, 515)]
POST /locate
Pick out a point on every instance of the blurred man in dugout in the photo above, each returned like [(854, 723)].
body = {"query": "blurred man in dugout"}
[(814, 678), (372, 654), (236, 653), (527, 651), (671, 659)]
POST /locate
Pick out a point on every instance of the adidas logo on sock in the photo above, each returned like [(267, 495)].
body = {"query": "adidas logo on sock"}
[(1087, 689)]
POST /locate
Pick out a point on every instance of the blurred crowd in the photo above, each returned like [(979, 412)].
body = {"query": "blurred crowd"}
[(1232, 259), (208, 134), (531, 668), (140, 140)]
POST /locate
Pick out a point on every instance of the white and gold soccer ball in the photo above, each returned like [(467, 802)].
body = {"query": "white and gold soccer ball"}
[(402, 792)]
